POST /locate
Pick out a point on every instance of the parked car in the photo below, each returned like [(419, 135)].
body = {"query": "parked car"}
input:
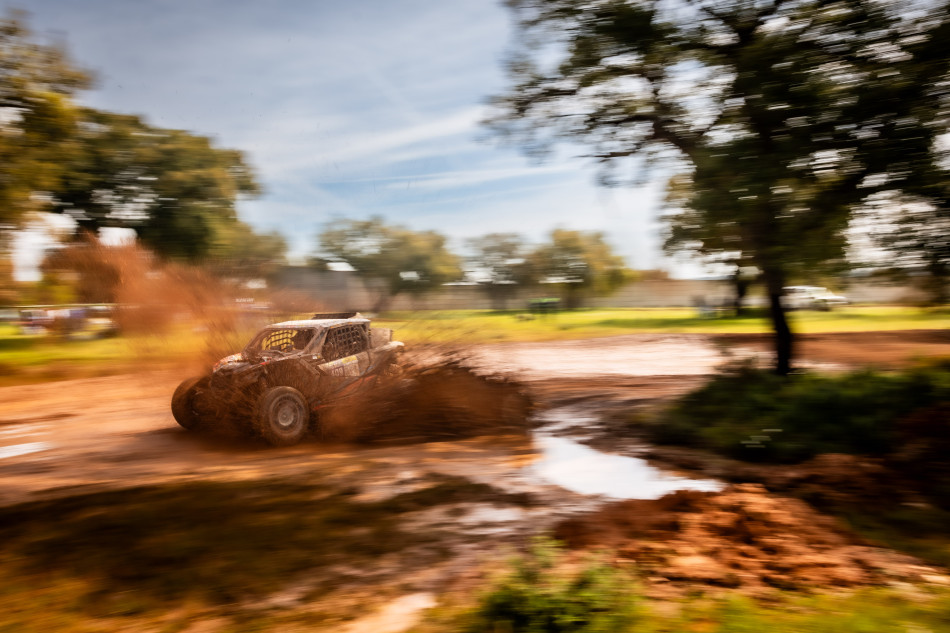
[(34, 321), (276, 386), (100, 322), (811, 298)]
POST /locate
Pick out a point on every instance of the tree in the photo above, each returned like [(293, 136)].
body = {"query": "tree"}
[(9, 289), (580, 263), (241, 253), (93, 269), (498, 262), (391, 259), (781, 115), (174, 188), (715, 243), (915, 235), (37, 117)]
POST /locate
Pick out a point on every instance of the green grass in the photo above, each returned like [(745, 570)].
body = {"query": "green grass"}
[(542, 594), (538, 596), (36, 358), (479, 326), (920, 531), (124, 560), (866, 611), (40, 358)]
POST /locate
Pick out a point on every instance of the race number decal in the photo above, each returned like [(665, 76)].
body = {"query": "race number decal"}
[(348, 366)]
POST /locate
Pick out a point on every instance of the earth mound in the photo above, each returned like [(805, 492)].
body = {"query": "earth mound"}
[(741, 537)]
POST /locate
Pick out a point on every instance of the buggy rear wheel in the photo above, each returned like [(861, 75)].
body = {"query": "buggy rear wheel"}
[(283, 417), (183, 403)]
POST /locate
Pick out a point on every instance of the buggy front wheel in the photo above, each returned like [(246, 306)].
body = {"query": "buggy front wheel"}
[(283, 417)]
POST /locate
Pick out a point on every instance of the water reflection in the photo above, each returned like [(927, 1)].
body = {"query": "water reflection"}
[(584, 470)]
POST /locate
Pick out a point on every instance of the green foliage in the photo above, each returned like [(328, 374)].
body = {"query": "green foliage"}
[(865, 611), (751, 414), (781, 117), (106, 170), (174, 188), (237, 251), (500, 258), (37, 117), (498, 262), (874, 610), (915, 238), (394, 258), (580, 263), (541, 596)]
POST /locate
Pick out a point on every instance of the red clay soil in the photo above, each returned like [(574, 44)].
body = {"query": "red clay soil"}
[(742, 537)]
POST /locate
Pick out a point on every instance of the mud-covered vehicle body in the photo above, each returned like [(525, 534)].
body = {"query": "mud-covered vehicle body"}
[(276, 386)]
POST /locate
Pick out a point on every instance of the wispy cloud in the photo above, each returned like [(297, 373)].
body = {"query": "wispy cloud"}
[(345, 110)]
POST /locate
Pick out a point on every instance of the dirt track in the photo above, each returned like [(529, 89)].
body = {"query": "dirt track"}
[(118, 431), (59, 439)]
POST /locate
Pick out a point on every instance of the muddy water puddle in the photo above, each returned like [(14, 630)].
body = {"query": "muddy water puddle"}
[(579, 468), (631, 355)]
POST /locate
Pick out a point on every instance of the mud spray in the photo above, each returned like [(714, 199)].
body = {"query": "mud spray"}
[(438, 400), (183, 316)]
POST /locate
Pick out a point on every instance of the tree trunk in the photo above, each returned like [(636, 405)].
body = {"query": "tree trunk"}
[(936, 284), (382, 302), (742, 288), (573, 297), (498, 294), (784, 338)]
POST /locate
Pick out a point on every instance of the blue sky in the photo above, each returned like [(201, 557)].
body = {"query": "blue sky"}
[(346, 109)]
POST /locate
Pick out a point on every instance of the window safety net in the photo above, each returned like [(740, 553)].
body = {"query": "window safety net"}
[(344, 341)]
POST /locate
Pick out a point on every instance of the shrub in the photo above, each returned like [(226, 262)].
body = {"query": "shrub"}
[(751, 414), (540, 595)]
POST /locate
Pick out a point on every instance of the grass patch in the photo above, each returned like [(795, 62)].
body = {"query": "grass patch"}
[(548, 592), (45, 357), (481, 326), (38, 358), (920, 531), (539, 595), (137, 554), (867, 611)]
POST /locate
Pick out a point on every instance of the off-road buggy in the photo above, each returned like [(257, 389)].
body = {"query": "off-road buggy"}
[(286, 374)]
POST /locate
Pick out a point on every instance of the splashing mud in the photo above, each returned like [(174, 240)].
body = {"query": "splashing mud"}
[(425, 403), (171, 311), (438, 402)]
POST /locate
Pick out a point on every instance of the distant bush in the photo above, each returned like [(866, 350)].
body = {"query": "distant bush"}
[(543, 595), (754, 415)]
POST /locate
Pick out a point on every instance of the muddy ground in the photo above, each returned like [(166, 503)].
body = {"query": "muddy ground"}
[(64, 438)]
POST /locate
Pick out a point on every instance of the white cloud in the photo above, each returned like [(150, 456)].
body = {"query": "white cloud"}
[(346, 110)]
